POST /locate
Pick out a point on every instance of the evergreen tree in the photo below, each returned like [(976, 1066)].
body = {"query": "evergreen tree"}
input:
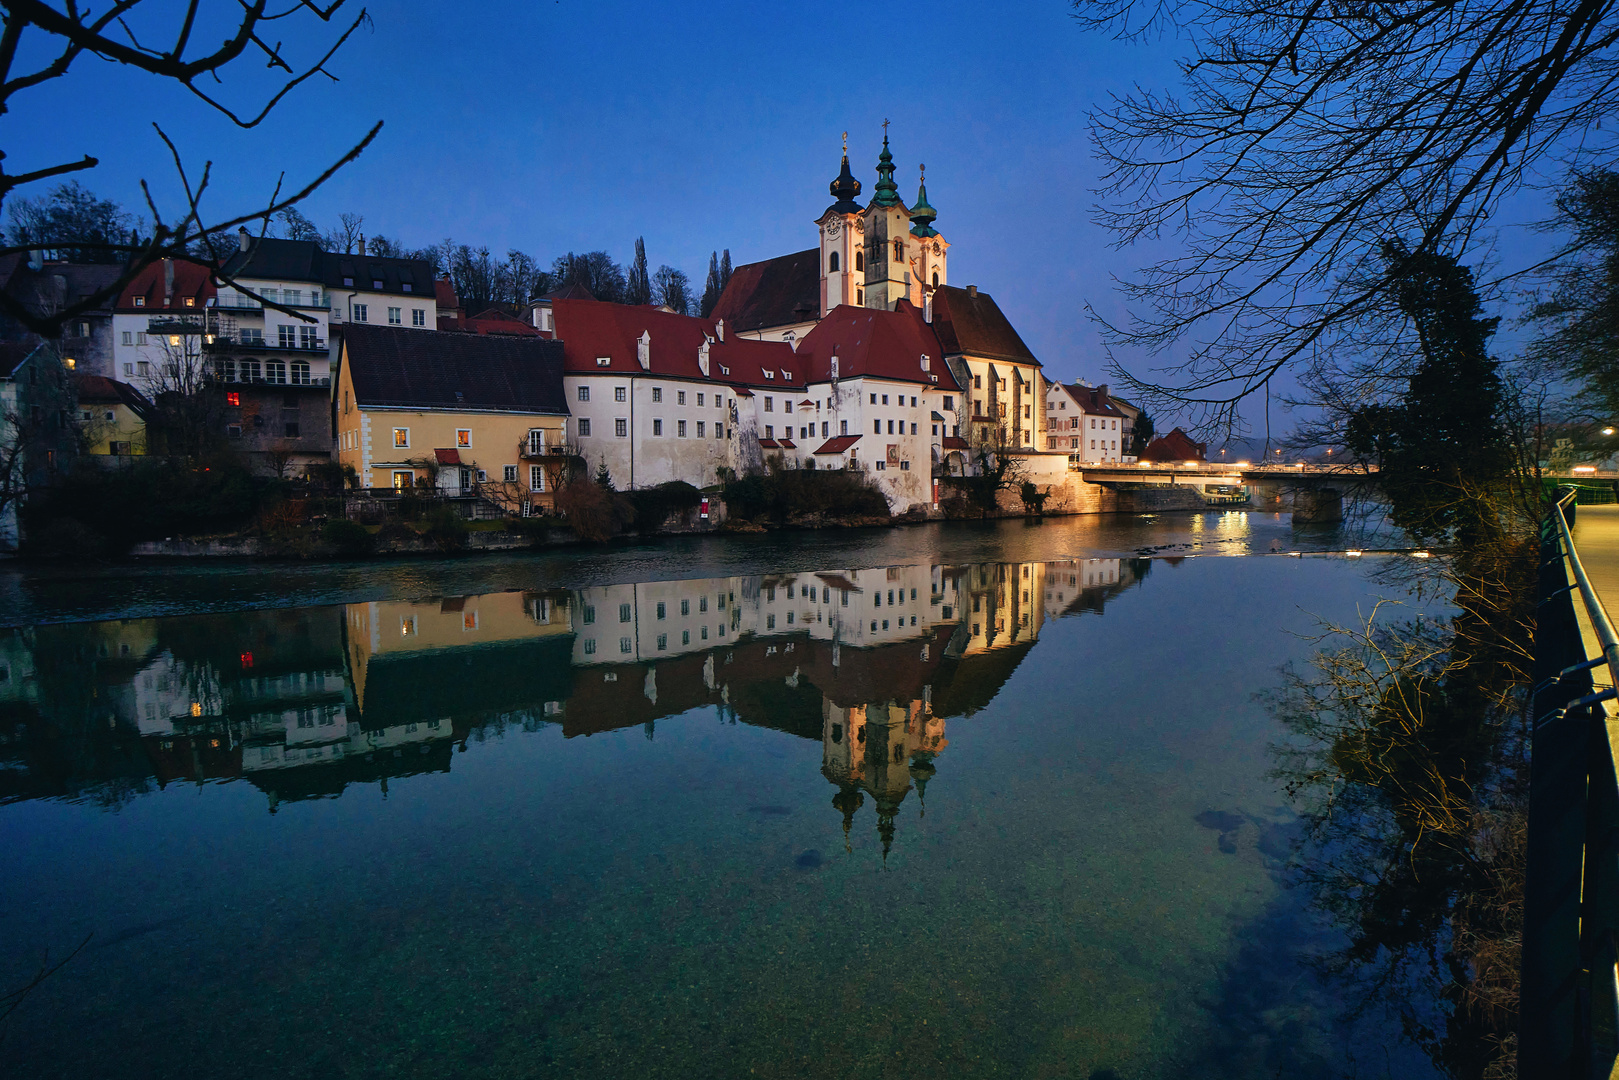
[(725, 269), (712, 287), (71, 223), (1443, 447), (638, 289)]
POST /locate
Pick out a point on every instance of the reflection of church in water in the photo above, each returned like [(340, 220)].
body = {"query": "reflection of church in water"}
[(868, 662)]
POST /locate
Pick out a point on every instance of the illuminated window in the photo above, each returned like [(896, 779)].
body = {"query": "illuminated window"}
[(233, 399), (463, 437), (401, 437), (407, 626)]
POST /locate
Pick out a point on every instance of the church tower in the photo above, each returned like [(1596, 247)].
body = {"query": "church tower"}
[(843, 253), (930, 252), (886, 218)]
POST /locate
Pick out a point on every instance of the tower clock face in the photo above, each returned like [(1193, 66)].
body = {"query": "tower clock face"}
[(834, 229)]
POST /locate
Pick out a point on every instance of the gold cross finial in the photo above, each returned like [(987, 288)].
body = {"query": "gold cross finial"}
[(845, 144), (885, 130)]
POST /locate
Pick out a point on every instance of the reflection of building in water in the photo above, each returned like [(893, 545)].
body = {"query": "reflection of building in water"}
[(303, 703)]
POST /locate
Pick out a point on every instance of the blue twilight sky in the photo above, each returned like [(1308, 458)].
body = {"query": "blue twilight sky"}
[(563, 125)]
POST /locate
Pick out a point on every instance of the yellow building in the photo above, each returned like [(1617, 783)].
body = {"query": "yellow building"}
[(466, 413), (113, 414)]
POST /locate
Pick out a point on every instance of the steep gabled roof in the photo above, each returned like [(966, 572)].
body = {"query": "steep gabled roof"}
[(1094, 400), (776, 292), (496, 321), (275, 259), (589, 330), (1176, 446), (100, 390), (970, 323), (394, 367), (877, 344), (837, 444), (190, 281), (407, 277)]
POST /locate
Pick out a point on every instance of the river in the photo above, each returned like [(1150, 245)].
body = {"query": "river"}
[(967, 800)]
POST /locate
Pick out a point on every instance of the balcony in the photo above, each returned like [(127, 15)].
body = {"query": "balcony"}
[(324, 380), (237, 341), (242, 303), (175, 324)]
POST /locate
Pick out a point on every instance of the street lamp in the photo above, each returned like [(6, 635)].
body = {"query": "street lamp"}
[(1607, 431)]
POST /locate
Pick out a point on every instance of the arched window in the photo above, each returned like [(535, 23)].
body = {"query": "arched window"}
[(935, 279), (899, 250), (860, 260), (832, 263)]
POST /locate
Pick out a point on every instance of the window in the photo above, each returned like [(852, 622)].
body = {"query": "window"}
[(859, 294), (843, 427), (719, 403), (657, 394), (860, 260), (394, 316), (233, 431), (300, 372), (891, 427), (233, 399), (899, 250), (978, 382), (291, 430), (418, 317), (590, 646), (249, 370), (680, 397), (623, 613), (376, 284), (584, 427), (913, 429), (699, 399), (824, 427), (253, 335), (128, 338), (403, 480), (876, 427), (885, 399), (699, 428), (680, 428), (140, 301), (508, 473), (584, 393), (621, 428), (874, 399), (663, 641), (536, 440), (536, 478), (140, 337), (770, 404), (463, 437), (275, 371), (618, 393), (832, 263), (349, 282), (295, 297), (719, 431), (657, 427), (401, 437), (358, 313)]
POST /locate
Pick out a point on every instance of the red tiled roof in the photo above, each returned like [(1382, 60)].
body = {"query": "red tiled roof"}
[(589, 329), (768, 444), (451, 456), (190, 281), (838, 444), (875, 343), (954, 442), (788, 444), (100, 390), (1093, 399), (495, 321), (444, 293), (971, 323), (775, 292), (1176, 446)]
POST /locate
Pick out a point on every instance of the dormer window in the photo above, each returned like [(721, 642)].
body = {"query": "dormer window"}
[(927, 364), (191, 301), (349, 282), (769, 374), (786, 374), (604, 361), (724, 370), (140, 301), (404, 286), (375, 284)]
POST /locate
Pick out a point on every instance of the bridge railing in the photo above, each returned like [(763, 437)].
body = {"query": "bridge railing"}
[(1569, 995)]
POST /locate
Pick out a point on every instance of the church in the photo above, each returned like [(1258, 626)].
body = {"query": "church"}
[(889, 257)]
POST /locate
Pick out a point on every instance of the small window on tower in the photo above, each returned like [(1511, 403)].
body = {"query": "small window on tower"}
[(832, 263), (899, 250), (860, 260)]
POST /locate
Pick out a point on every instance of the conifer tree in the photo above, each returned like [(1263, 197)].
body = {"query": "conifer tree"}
[(712, 287), (638, 290)]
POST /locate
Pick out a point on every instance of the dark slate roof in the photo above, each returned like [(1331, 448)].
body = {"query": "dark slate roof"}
[(394, 367), (775, 292), (12, 355), (972, 324), (101, 390), (303, 260)]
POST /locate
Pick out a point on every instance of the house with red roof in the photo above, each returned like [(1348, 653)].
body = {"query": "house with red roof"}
[(881, 399), (656, 396), (1176, 446), (1087, 423)]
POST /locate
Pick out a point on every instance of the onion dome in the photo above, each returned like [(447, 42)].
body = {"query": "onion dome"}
[(887, 192), (922, 214), (845, 188)]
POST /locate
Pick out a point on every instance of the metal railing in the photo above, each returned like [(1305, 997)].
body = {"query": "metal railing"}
[(1569, 996)]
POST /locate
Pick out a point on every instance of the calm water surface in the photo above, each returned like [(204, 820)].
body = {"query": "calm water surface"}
[(945, 801)]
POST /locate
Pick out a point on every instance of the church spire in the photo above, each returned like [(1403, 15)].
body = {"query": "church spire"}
[(923, 215), (845, 188), (887, 192)]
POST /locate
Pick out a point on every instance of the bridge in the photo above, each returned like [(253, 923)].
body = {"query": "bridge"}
[(1318, 489)]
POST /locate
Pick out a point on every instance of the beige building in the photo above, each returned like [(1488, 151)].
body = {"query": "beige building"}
[(114, 416), (466, 413)]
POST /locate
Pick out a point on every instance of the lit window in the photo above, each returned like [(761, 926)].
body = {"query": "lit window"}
[(463, 437), (233, 399), (401, 437)]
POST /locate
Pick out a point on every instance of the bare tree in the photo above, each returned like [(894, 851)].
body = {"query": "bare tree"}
[(188, 407), (347, 235), (672, 289), (33, 28), (38, 426), (1307, 133)]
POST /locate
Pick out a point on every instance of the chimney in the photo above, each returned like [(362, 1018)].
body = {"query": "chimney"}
[(972, 291), (927, 308), (168, 282), (242, 238), (362, 243), (719, 329), (1101, 394)]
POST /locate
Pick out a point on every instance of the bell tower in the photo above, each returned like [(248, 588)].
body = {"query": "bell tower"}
[(843, 258), (930, 251), (886, 235)]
